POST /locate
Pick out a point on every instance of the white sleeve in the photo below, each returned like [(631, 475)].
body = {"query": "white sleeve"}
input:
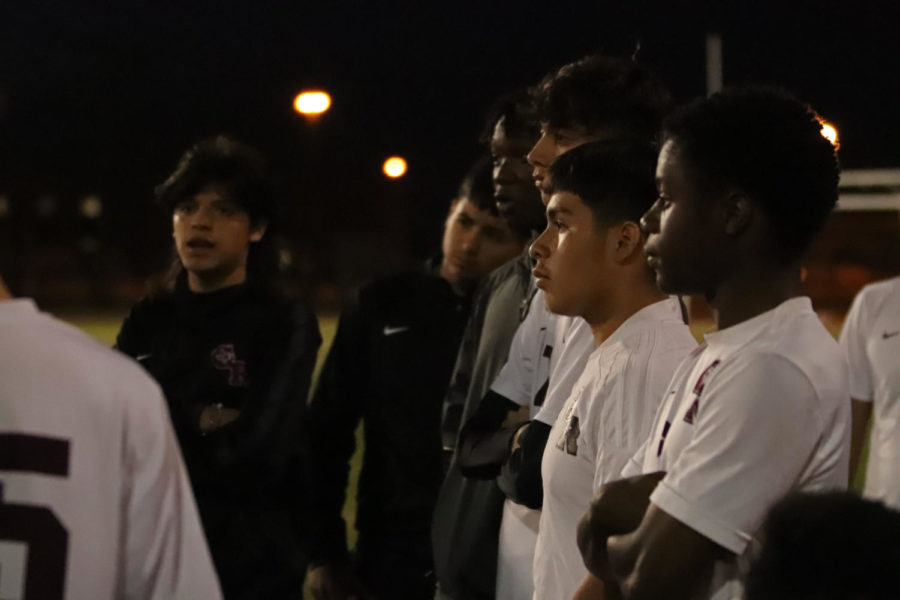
[(756, 429), (567, 369), (854, 336), (163, 552), (635, 464), (517, 376)]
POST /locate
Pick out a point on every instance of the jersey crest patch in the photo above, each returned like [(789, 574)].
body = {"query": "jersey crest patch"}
[(224, 358), (568, 442)]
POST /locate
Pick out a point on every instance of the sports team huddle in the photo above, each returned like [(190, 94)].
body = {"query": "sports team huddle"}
[(538, 419)]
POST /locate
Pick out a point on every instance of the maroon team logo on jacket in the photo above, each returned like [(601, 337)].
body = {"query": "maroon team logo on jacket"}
[(691, 414), (225, 359)]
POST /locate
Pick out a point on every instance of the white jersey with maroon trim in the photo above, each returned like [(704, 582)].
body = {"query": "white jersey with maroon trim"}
[(94, 500), (760, 410)]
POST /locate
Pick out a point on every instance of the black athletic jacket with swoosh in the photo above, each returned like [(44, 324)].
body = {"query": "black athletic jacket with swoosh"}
[(389, 366)]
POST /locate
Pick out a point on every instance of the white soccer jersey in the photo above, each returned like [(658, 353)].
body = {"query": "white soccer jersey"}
[(94, 499), (575, 343), (758, 411), (870, 341), (530, 356), (607, 416)]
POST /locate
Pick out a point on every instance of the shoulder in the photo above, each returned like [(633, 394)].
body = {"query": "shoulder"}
[(873, 297), (513, 269), (400, 284), (806, 368), (84, 363), (284, 312)]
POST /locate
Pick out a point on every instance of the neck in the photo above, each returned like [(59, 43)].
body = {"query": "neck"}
[(605, 320), (212, 282), (754, 292), (4, 291)]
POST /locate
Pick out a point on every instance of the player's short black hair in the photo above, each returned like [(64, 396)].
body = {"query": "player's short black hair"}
[(518, 111), (768, 144), (615, 179), (832, 546), (478, 186), (604, 91), (237, 167)]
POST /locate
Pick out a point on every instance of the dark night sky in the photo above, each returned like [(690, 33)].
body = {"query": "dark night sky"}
[(103, 97)]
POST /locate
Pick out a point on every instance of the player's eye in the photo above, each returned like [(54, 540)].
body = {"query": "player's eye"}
[(186, 206)]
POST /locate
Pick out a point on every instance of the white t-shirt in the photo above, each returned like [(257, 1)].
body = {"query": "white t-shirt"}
[(607, 417), (870, 341), (758, 411), (95, 500), (575, 343)]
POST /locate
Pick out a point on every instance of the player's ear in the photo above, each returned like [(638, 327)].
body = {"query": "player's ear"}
[(258, 231), (738, 213), (629, 239)]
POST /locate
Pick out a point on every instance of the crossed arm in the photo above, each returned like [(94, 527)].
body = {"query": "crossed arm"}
[(637, 550)]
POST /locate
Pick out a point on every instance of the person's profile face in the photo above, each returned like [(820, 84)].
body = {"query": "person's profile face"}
[(684, 245), (552, 142), (213, 236), (517, 199), (571, 257)]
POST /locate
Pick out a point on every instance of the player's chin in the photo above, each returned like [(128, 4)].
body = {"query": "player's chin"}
[(556, 304)]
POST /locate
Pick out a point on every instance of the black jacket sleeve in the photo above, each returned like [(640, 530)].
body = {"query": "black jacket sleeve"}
[(333, 415), (520, 478), (483, 441)]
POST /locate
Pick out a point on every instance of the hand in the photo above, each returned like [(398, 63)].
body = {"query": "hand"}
[(515, 441), (334, 582), (617, 508), (591, 588), (215, 416)]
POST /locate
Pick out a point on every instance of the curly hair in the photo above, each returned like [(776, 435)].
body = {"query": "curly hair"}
[(832, 546), (478, 186), (518, 113), (768, 144), (604, 91)]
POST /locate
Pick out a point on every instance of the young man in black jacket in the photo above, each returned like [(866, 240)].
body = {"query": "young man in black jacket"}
[(389, 366), (234, 358)]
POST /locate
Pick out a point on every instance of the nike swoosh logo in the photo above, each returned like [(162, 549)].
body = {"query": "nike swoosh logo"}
[(388, 330), (889, 334), (142, 357)]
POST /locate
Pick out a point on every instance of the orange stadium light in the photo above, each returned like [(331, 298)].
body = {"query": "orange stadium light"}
[(394, 167), (312, 103), (829, 132)]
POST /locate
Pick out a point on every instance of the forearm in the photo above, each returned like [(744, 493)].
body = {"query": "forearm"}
[(484, 441), (520, 478), (618, 508)]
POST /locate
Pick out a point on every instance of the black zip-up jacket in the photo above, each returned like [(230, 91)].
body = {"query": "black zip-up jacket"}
[(389, 366), (250, 350)]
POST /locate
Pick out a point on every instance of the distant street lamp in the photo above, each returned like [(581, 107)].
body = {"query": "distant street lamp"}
[(394, 167), (312, 103), (91, 207)]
